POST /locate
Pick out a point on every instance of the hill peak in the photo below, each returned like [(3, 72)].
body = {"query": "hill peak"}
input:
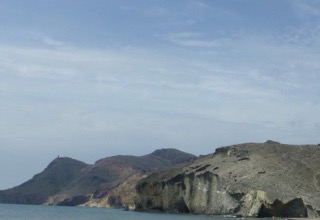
[(173, 155), (65, 161), (272, 142)]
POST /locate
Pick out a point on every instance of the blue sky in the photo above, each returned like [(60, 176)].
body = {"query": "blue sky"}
[(90, 79)]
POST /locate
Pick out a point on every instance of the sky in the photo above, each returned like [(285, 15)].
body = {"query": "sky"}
[(89, 79)]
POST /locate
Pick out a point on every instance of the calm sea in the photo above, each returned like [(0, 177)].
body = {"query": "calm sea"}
[(30, 212)]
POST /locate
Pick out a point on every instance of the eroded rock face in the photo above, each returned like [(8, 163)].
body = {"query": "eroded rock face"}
[(199, 194), (294, 208), (260, 180)]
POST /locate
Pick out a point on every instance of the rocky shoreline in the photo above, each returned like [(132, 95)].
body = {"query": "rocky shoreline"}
[(245, 180), (257, 180)]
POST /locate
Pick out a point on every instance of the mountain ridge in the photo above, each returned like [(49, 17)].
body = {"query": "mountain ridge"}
[(251, 179), (66, 181)]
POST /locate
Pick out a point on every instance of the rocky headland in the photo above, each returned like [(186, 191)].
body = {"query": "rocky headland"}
[(252, 179), (259, 180)]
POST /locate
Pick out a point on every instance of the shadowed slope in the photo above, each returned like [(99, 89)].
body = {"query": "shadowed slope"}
[(70, 182), (59, 173)]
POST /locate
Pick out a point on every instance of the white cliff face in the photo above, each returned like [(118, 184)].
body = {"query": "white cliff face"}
[(247, 180), (204, 195)]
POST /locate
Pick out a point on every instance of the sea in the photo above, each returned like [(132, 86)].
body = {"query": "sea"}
[(37, 212)]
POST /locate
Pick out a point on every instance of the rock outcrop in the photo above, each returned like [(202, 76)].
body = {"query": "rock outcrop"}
[(123, 196), (259, 180)]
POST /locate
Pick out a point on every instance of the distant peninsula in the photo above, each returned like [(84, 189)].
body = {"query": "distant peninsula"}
[(252, 179)]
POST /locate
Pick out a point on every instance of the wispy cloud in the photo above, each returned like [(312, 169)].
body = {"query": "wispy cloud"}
[(306, 8), (136, 76), (192, 39), (50, 41), (267, 80), (194, 74), (258, 82)]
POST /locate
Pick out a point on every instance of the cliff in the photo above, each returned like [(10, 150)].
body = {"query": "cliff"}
[(260, 180)]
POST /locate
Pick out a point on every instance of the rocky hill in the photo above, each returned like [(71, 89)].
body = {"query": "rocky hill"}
[(70, 182), (59, 174), (260, 180)]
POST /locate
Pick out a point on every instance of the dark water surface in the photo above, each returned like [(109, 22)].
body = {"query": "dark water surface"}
[(31, 212)]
